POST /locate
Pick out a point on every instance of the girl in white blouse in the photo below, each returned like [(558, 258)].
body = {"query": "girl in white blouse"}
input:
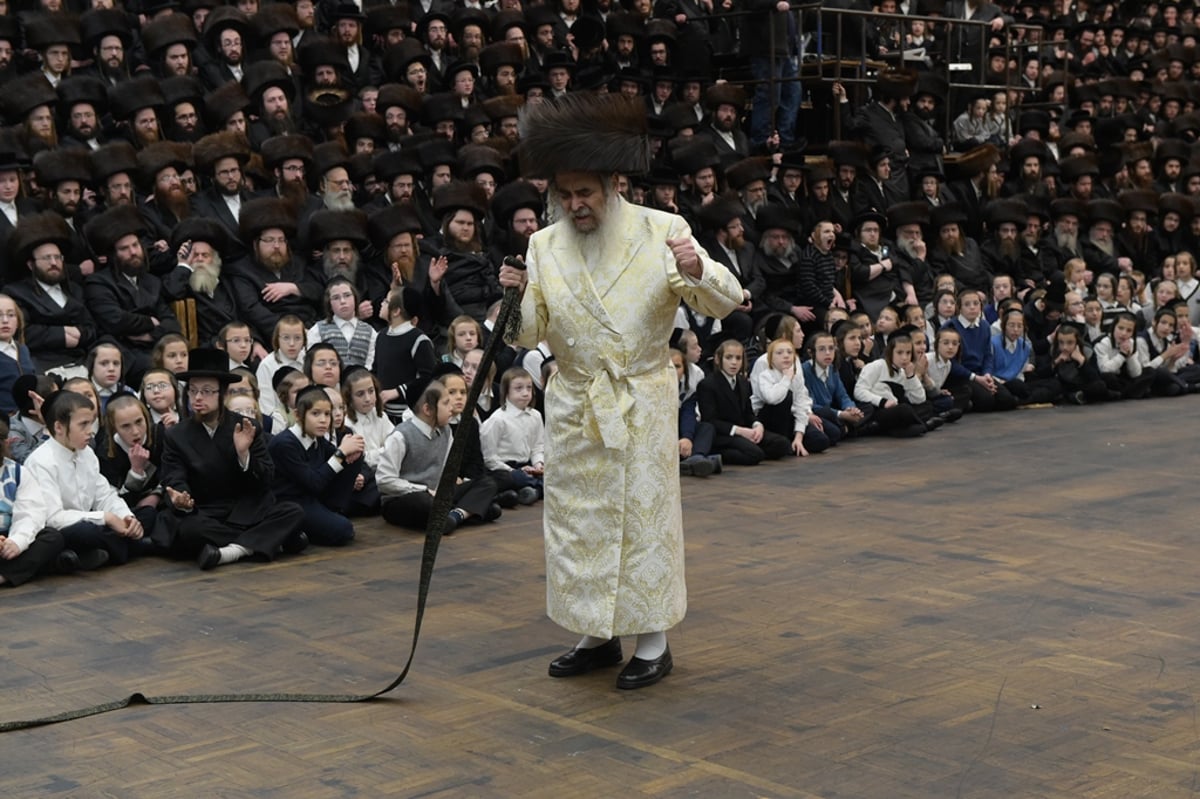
[(879, 382)]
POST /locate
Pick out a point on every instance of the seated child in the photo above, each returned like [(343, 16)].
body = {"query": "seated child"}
[(411, 467), (404, 354), (724, 398), (314, 473), (79, 502), (514, 437), (781, 402), (695, 436)]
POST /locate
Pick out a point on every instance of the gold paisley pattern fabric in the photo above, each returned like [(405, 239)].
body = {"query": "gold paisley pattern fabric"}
[(613, 524)]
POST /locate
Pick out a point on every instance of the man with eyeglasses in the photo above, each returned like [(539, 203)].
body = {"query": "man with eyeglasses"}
[(220, 158), (217, 473), (59, 328), (106, 33), (126, 299), (82, 101), (290, 159), (282, 282)]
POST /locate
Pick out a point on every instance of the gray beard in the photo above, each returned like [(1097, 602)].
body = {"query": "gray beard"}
[(205, 280), (332, 270), (338, 200), (1067, 241), (784, 253), (906, 246), (1105, 247)]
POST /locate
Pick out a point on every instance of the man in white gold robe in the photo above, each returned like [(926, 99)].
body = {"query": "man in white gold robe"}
[(601, 287)]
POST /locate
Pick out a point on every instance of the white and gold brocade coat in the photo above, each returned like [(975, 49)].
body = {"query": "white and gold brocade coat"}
[(613, 522)]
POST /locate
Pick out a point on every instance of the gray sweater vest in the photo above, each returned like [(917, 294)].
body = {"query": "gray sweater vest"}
[(423, 458), (353, 353)]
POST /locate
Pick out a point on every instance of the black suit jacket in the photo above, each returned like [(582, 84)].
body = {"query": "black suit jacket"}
[(233, 300), (724, 406), (749, 264), (207, 468), (44, 322), (122, 310)]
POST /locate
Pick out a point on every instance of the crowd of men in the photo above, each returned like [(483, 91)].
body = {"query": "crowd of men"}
[(242, 155)]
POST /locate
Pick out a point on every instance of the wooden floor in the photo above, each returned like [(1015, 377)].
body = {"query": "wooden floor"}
[(1005, 608)]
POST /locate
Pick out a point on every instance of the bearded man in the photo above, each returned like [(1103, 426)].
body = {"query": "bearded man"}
[(199, 244), (395, 233), (724, 238), (59, 328), (602, 289), (956, 253), (162, 166), (1002, 250), (280, 280), (908, 222), (63, 175), (1064, 237), (126, 300), (290, 158), (1105, 218), (1137, 241), (726, 101)]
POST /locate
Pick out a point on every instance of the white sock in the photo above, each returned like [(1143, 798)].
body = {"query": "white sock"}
[(651, 645), (591, 642), (231, 553)]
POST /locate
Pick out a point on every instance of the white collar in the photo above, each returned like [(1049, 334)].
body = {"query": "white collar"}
[(962, 321), (306, 441), (425, 428)]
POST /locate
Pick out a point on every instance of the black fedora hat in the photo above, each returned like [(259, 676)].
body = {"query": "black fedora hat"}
[(209, 362)]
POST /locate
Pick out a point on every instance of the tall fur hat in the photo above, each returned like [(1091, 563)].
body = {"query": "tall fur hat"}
[(973, 161), (278, 149), (200, 228), (325, 226), (1172, 149), (97, 23), (77, 89), (911, 213), (1077, 167), (262, 75), (478, 158), (391, 164), (219, 19), (112, 159), (365, 126), (1145, 201), (725, 94), (1007, 211), (382, 19), (396, 59), (1175, 203), (848, 153), (719, 213), (154, 158), (436, 152), (275, 18), (104, 231), (513, 196), (947, 214), (698, 153), (34, 230), (223, 102), (266, 213), (500, 54), (20, 96), (1106, 210), (215, 146), (47, 29), (163, 32), (742, 173), (328, 155), (593, 132), (385, 225), (503, 106), (459, 194), (55, 166), (402, 95), (895, 84), (132, 96), (182, 89)]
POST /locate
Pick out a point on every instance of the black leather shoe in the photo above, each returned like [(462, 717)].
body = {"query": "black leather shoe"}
[(209, 557), (493, 513), (507, 499), (581, 661), (67, 562), (639, 673), (950, 416), (296, 544), (92, 559), (934, 423)]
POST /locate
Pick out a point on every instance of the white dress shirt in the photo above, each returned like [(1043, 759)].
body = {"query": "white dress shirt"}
[(512, 434), (73, 487)]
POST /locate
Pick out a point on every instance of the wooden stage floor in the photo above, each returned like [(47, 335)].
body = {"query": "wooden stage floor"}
[(1005, 608)]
